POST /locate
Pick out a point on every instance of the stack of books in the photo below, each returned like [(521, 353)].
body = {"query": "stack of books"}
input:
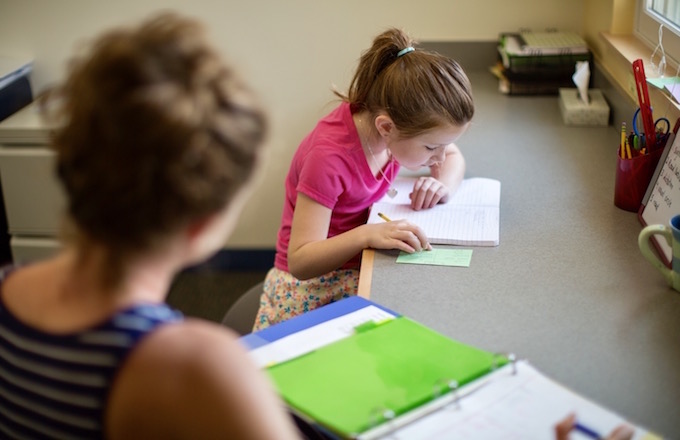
[(538, 63)]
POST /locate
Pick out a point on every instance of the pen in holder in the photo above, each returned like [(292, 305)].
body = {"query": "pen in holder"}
[(634, 171), (639, 153)]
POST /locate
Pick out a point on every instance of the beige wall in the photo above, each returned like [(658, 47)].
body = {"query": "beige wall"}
[(615, 16), (292, 52)]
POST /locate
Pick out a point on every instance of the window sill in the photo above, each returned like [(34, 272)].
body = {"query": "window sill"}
[(615, 61)]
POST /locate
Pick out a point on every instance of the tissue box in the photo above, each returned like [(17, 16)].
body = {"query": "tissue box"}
[(576, 112)]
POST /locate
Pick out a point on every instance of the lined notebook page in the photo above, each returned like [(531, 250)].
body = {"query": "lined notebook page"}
[(470, 218), (526, 405)]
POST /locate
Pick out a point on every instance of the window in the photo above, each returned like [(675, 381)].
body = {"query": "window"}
[(667, 11), (650, 16)]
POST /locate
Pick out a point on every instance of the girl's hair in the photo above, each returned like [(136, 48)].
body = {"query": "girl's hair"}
[(154, 131), (419, 90)]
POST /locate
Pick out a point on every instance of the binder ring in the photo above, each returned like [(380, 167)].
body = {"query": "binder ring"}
[(512, 358), (442, 386), (451, 385), (380, 415), (509, 356)]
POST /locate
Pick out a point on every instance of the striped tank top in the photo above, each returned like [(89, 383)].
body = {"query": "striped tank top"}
[(56, 386)]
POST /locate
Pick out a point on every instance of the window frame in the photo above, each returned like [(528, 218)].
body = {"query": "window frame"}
[(646, 29)]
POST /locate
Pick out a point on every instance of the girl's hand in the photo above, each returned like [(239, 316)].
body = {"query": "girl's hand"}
[(427, 193), (398, 234)]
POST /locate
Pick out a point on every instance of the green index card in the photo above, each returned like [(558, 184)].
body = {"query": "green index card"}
[(438, 257), (397, 366)]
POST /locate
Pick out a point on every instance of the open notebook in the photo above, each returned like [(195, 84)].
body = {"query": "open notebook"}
[(360, 382), (358, 370), (470, 218)]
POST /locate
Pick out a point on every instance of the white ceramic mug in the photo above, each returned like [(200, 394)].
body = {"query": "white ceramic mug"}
[(671, 233)]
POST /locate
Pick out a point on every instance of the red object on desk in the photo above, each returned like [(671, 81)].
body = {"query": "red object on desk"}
[(645, 106), (632, 179)]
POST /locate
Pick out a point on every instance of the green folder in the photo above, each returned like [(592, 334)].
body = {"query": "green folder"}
[(348, 386)]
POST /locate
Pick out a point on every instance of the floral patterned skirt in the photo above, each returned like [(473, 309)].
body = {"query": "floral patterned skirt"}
[(285, 296)]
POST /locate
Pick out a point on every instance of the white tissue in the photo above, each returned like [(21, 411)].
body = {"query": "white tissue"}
[(581, 78)]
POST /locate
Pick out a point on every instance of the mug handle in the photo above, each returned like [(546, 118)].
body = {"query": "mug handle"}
[(646, 248)]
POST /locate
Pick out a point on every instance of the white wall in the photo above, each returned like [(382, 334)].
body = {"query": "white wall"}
[(291, 51)]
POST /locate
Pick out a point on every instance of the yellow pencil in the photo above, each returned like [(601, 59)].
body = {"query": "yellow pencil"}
[(384, 217), (623, 139)]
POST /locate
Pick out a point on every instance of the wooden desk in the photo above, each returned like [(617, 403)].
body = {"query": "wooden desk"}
[(567, 288)]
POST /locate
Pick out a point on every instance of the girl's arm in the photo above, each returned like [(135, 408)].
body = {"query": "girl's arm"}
[(312, 254), (444, 180), (451, 171)]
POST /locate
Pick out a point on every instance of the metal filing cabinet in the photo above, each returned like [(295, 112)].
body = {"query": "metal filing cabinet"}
[(34, 200)]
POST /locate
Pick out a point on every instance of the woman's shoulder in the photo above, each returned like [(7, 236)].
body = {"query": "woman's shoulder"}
[(182, 370), (189, 344)]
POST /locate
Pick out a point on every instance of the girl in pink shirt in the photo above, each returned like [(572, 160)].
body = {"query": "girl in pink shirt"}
[(405, 108)]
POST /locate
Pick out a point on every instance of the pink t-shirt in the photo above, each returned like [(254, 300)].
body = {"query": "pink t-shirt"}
[(330, 167)]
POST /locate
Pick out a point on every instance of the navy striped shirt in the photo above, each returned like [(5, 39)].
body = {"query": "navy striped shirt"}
[(56, 386)]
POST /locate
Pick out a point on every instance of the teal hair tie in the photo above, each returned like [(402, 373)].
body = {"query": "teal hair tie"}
[(404, 51)]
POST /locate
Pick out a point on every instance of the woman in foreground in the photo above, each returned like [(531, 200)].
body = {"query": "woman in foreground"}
[(158, 144)]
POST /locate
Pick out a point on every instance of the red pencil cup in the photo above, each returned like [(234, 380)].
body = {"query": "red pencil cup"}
[(632, 178)]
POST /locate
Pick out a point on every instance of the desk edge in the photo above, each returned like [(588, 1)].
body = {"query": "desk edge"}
[(366, 273)]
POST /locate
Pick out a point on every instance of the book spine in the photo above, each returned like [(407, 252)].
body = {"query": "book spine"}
[(14, 96), (515, 87), (544, 64)]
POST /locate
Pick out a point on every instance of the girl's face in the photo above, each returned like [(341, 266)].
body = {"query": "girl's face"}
[(425, 149)]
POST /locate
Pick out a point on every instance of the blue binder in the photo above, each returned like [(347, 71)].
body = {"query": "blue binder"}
[(15, 90)]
